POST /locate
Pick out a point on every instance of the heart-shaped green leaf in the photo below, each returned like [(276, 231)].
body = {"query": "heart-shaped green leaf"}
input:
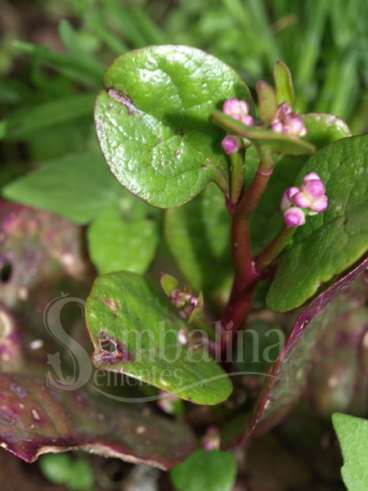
[(353, 437), (329, 243), (135, 331), (153, 121), (118, 245)]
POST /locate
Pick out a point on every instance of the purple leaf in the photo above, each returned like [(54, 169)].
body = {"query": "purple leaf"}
[(11, 355), (286, 379), (37, 419), (41, 255)]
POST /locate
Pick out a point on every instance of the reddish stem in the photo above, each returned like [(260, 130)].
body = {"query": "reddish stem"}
[(246, 275)]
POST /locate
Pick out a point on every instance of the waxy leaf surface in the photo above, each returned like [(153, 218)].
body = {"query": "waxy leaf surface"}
[(153, 124), (36, 418), (211, 471), (287, 378), (352, 433), (135, 331), (331, 242), (116, 244), (198, 237)]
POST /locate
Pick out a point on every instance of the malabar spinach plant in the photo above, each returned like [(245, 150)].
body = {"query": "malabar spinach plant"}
[(265, 228)]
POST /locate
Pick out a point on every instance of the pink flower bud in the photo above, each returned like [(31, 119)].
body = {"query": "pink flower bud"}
[(284, 110), (288, 122), (287, 201), (319, 205), (231, 144), (277, 126), (295, 126), (302, 200), (312, 195), (314, 188), (238, 110), (311, 176), (248, 120), (294, 217)]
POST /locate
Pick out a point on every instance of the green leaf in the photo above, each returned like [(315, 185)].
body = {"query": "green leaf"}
[(153, 121), (134, 330), (198, 237), (77, 187), (76, 474), (266, 101), (210, 471), (118, 245), (352, 433), (283, 83), (331, 242), (325, 128)]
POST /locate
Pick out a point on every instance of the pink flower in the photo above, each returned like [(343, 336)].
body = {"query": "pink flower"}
[(231, 144), (294, 217), (238, 110), (288, 122)]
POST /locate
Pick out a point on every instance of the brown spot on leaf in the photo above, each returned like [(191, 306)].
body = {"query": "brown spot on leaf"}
[(123, 99), (112, 305), (110, 350)]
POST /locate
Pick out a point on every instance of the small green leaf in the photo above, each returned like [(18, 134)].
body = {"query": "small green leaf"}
[(153, 121), (118, 245), (266, 101), (76, 474), (329, 243), (77, 187), (210, 471), (198, 237), (134, 330), (56, 467), (169, 284), (352, 433), (284, 83), (325, 128)]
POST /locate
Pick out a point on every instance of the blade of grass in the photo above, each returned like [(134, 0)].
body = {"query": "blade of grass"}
[(79, 69), (311, 44), (25, 121)]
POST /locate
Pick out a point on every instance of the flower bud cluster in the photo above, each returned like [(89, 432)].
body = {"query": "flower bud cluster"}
[(238, 110), (309, 199), (288, 122)]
